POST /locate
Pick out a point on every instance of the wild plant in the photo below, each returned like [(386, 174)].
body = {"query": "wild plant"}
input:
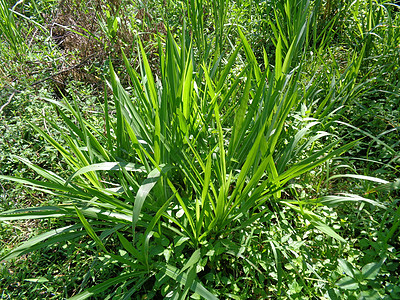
[(10, 31), (183, 161)]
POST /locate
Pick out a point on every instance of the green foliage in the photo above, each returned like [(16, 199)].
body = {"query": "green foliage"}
[(10, 31), (206, 175)]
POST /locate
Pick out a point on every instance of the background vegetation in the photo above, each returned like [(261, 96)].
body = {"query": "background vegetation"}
[(199, 149)]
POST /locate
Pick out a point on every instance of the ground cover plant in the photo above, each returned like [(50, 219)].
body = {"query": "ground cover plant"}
[(217, 163)]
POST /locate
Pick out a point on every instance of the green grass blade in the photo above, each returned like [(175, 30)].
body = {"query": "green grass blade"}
[(130, 248), (196, 286), (344, 197), (144, 190), (108, 166), (45, 239), (90, 230), (105, 285)]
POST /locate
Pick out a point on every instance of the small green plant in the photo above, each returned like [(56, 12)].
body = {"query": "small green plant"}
[(360, 280)]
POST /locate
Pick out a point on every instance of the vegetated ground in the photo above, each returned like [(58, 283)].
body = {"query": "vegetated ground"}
[(349, 80)]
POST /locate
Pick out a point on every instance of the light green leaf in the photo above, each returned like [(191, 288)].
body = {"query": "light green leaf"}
[(142, 194), (333, 200), (109, 166), (371, 270), (194, 258), (348, 283), (347, 267), (37, 280), (369, 178), (370, 295), (326, 229)]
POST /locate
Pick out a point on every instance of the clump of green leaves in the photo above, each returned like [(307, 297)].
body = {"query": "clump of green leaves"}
[(188, 183), (171, 163)]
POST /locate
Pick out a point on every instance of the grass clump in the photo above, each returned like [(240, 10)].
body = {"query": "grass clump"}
[(228, 166)]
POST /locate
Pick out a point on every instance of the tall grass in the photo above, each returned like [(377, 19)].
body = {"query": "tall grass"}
[(185, 156), (192, 156), (9, 29)]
